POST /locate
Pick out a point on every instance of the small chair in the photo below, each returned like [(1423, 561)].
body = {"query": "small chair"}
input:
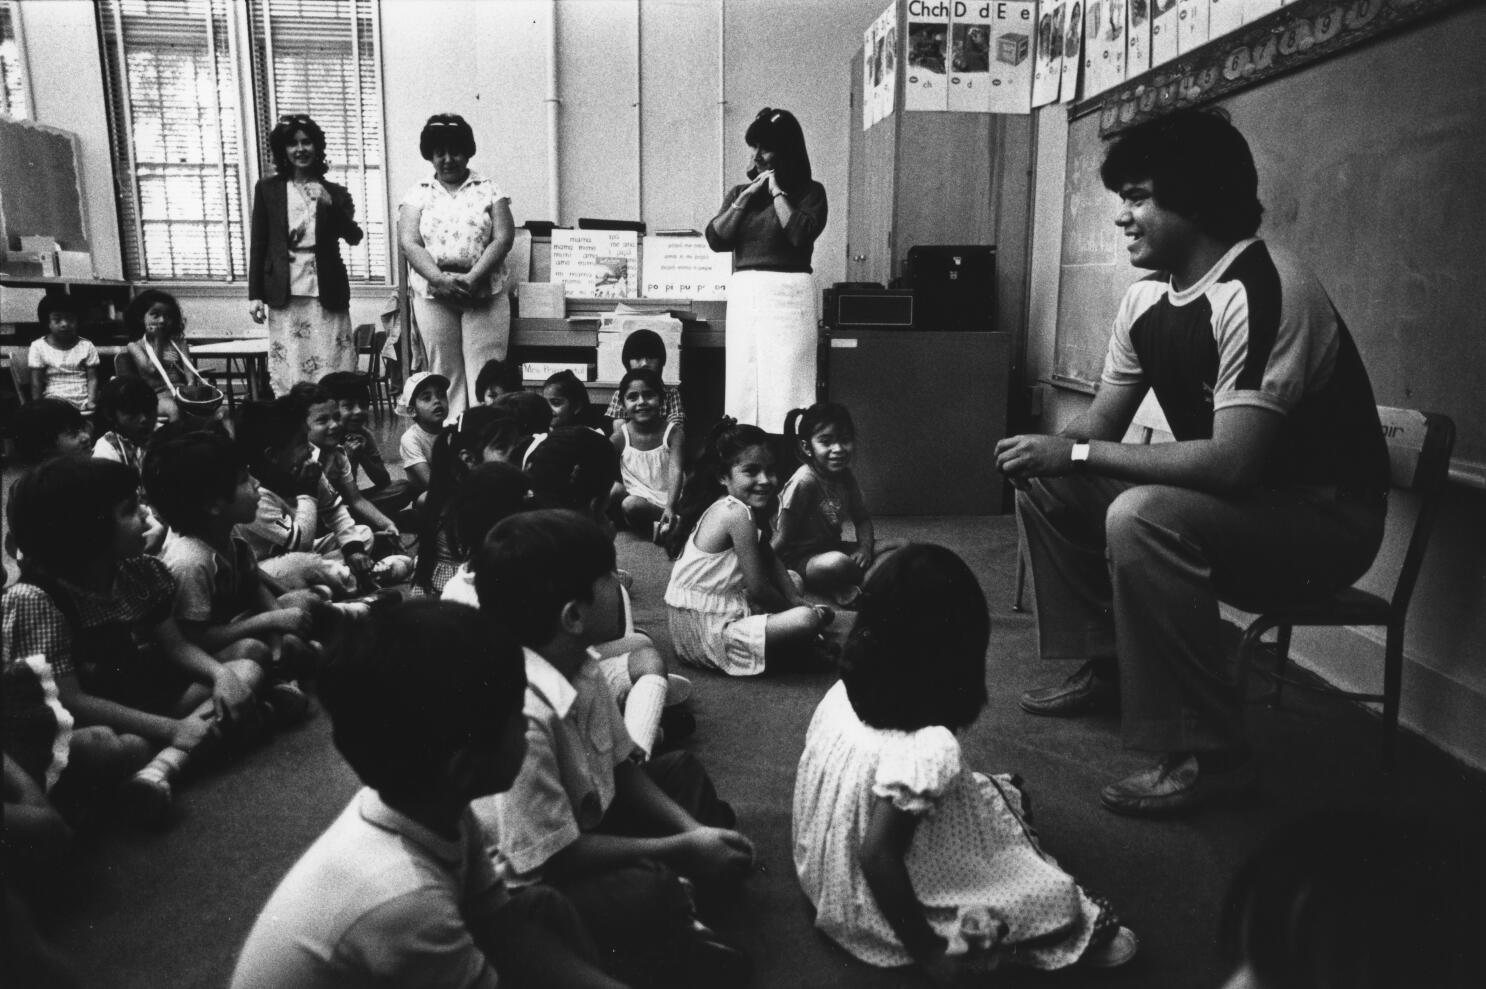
[(1419, 446), (369, 343)]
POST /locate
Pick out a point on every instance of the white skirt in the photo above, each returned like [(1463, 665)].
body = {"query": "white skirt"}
[(770, 353)]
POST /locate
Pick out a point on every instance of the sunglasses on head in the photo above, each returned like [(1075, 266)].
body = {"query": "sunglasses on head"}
[(296, 118)]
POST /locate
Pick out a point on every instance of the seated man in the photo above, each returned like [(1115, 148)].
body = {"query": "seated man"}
[(1273, 491)]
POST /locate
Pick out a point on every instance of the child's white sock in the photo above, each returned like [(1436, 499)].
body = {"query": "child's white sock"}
[(642, 709)]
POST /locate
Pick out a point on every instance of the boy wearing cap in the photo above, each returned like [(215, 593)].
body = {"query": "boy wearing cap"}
[(425, 398)]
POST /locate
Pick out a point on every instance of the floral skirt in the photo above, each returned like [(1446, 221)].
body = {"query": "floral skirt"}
[(306, 341)]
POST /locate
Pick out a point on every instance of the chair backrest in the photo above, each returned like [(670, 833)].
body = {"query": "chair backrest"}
[(362, 336), (1419, 448)]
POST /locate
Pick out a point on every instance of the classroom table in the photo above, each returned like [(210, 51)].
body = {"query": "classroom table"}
[(251, 351)]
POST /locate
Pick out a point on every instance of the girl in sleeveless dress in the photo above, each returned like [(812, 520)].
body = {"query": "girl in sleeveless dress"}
[(908, 856), (649, 455), (732, 604)]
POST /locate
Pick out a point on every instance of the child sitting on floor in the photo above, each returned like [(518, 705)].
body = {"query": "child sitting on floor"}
[(62, 365), (900, 847), (498, 378), (822, 494), (302, 533), (352, 393), (650, 449), (322, 420), (732, 604), (157, 332), (425, 400), (202, 489), (482, 435), (399, 890), (583, 816), (98, 612), (568, 398), (491, 492), (127, 408), (47, 428), (645, 349)]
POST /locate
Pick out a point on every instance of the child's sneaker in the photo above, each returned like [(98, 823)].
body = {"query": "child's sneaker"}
[(287, 704), (145, 797)]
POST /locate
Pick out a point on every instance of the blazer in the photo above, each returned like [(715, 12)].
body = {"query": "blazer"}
[(268, 256)]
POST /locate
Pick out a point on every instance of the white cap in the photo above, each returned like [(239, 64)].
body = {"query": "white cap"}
[(413, 384)]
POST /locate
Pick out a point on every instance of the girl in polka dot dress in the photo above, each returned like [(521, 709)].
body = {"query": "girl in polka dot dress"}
[(899, 845)]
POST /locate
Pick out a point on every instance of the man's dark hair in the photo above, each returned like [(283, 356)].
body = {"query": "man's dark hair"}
[(533, 564), (62, 512), (505, 375), (186, 473), (348, 386), (642, 343), (420, 682), (1199, 166), (38, 425)]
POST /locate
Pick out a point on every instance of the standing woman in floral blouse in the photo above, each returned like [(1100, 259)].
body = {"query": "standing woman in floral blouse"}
[(296, 278), (455, 229)]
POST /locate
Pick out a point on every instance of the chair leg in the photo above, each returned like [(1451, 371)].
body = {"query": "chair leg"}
[(1281, 657), (1021, 579), (1392, 689)]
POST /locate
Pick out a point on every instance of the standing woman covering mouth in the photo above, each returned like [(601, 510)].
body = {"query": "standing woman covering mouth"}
[(455, 229), (770, 224), (296, 278)]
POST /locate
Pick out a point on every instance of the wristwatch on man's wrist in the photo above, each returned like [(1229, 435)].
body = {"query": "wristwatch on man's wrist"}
[(1079, 456)]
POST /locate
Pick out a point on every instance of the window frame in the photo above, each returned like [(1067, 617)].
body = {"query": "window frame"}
[(253, 117), (22, 63)]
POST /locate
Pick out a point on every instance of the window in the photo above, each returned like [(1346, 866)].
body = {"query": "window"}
[(194, 88), (14, 101)]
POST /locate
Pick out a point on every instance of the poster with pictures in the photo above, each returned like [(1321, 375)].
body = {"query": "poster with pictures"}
[(1224, 17), (970, 57), (888, 92), (926, 85), (685, 268), (1163, 31), (1104, 46), (596, 264), (1073, 51), (1013, 23), (1047, 76), (1192, 24), (869, 76), (1138, 37)]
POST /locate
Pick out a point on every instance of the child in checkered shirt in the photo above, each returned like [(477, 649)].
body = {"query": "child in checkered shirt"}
[(97, 613)]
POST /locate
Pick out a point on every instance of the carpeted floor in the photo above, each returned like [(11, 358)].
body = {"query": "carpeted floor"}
[(171, 908)]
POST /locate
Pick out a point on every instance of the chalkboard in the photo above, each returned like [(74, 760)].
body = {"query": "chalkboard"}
[(40, 193), (1372, 168)]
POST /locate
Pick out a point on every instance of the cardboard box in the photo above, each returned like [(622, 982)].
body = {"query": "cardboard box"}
[(542, 300), (75, 264)]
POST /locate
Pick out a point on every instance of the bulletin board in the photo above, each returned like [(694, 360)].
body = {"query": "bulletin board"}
[(40, 192), (1372, 168)]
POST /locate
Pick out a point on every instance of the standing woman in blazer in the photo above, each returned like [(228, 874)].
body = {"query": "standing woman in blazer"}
[(770, 224), (455, 229), (296, 278)]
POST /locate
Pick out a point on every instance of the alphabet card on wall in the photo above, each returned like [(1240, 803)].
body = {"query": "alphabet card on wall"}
[(1138, 37), (1047, 76), (887, 92), (1011, 57), (869, 76), (1192, 18), (927, 83), (1163, 31), (1104, 46), (1073, 48), (596, 264), (970, 56), (684, 268)]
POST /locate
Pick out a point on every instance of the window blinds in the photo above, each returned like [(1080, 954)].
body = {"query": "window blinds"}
[(320, 57), (174, 124), (182, 76)]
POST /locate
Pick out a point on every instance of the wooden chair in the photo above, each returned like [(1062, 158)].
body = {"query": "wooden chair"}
[(1419, 446), (369, 343)]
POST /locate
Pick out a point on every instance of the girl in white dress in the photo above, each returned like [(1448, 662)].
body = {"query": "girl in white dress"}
[(649, 454), (899, 845)]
